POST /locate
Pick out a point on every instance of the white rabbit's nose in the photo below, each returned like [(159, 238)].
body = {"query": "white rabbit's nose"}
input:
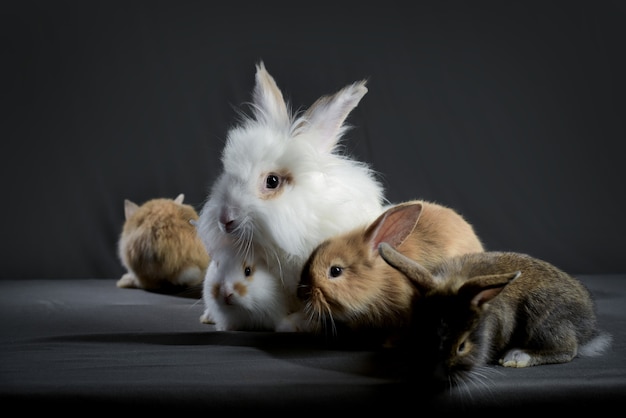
[(228, 226), (227, 220)]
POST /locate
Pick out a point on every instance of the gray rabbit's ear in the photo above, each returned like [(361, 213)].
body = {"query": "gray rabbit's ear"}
[(482, 289), (129, 208), (267, 99), (179, 199), (327, 115), (418, 275)]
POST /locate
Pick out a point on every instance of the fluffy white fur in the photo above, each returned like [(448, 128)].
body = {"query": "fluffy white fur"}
[(322, 192), (235, 301)]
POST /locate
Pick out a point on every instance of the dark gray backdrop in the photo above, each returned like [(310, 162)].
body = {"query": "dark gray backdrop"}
[(510, 112)]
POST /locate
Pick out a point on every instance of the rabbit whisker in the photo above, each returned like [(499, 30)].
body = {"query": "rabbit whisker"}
[(329, 318), (244, 240), (281, 276), (477, 379), (310, 316)]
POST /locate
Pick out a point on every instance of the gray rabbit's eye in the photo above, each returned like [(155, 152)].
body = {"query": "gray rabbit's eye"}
[(272, 181), (335, 271), (462, 348)]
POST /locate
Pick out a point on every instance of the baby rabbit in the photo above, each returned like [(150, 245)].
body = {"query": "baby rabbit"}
[(345, 280), (159, 246), (505, 307), (284, 186), (242, 295)]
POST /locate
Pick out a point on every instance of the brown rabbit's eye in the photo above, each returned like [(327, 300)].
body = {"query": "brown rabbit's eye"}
[(272, 181), (247, 271), (335, 271), (461, 348)]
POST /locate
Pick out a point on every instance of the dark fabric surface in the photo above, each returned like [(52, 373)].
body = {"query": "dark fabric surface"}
[(72, 344)]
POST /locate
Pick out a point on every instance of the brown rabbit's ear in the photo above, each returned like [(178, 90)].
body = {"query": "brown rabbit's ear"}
[(267, 99), (482, 289), (417, 275), (129, 208), (179, 199), (394, 225)]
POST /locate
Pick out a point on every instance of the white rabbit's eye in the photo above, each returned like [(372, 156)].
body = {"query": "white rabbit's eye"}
[(247, 271), (272, 184), (335, 271), (272, 181)]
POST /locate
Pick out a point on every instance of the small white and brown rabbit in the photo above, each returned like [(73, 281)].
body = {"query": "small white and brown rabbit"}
[(159, 246), (345, 282), (241, 294), (495, 307)]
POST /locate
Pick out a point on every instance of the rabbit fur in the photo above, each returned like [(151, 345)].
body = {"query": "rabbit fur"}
[(493, 307), (284, 186), (159, 245), (346, 281)]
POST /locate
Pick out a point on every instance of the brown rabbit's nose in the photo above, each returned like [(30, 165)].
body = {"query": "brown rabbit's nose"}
[(303, 292), (304, 287)]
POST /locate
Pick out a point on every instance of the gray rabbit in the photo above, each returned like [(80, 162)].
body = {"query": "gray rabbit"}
[(496, 307)]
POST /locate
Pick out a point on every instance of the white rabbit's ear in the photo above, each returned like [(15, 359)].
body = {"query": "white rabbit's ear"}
[(327, 115), (267, 99)]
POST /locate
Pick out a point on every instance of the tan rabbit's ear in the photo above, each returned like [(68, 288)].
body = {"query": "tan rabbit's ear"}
[(482, 289), (179, 199), (394, 225), (327, 115), (268, 103), (417, 275), (129, 208)]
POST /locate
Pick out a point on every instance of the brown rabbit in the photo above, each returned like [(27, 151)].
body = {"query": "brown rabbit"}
[(495, 307), (159, 245), (346, 282)]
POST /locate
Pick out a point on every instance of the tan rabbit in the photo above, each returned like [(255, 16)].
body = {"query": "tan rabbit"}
[(495, 307), (159, 245), (346, 282)]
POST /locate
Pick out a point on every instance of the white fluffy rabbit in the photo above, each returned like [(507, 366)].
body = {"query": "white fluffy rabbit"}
[(285, 187)]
